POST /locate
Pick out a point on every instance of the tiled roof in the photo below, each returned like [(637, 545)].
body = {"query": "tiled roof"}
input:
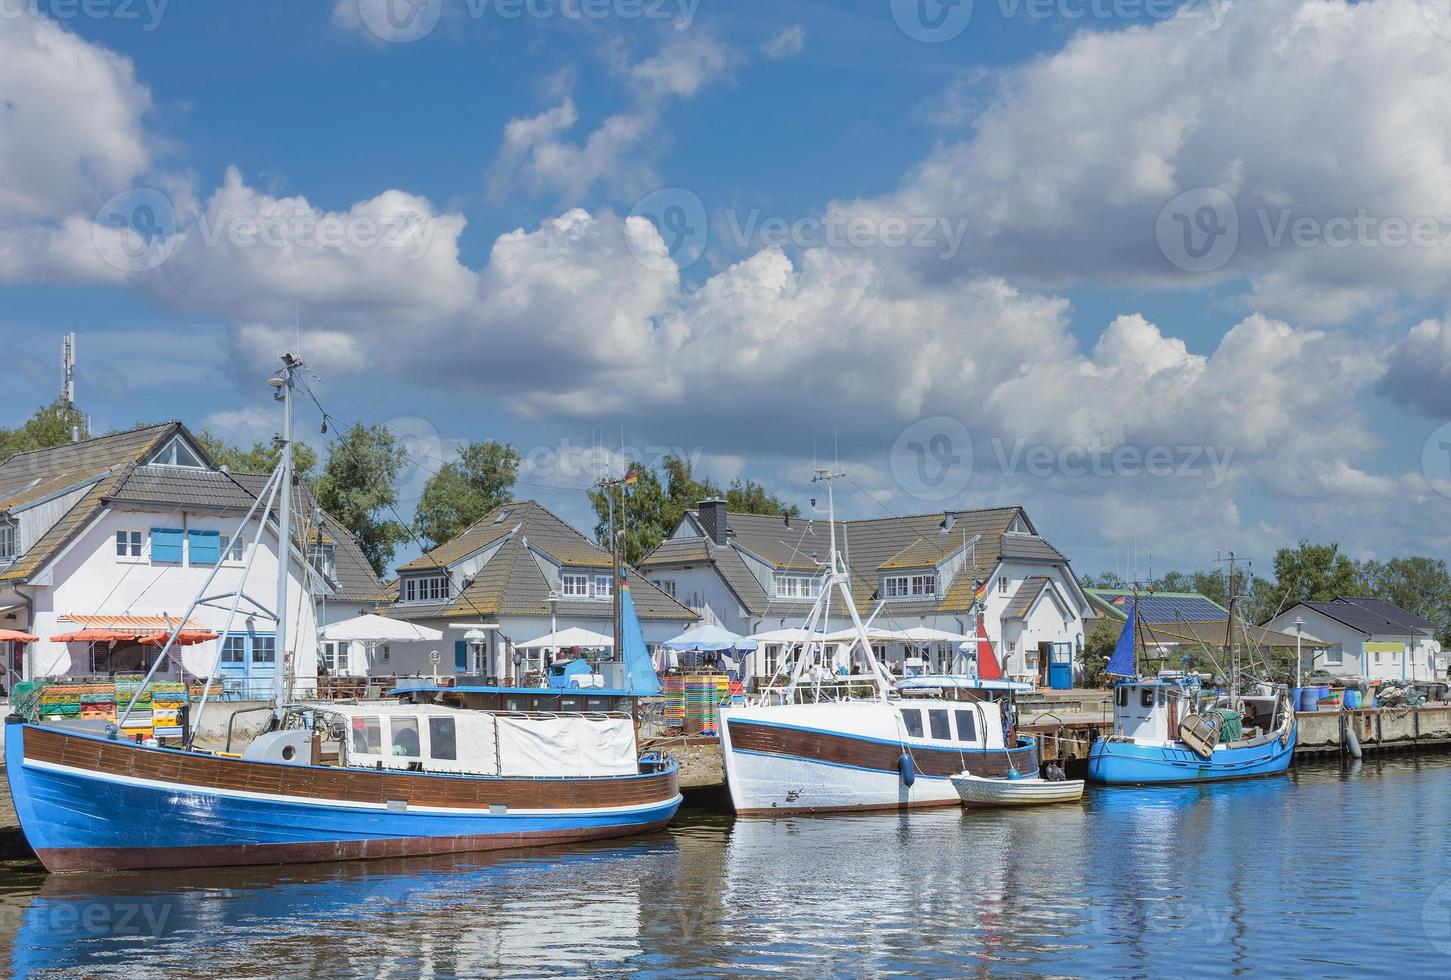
[(871, 548), (1022, 602), (512, 581), (108, 458)]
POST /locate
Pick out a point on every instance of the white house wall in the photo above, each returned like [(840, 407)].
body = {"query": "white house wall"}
[(1415, 659), (88, 578), (702, 589)]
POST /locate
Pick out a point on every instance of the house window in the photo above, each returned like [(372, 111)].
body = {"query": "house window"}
[(602, 587), (323, 559), (264, 649), (1002, 585), (575, 585), (903, 586), (1336, 654), (797, 587), (234, 549), (177, 453), (9, 542), (334, 656), (234, 649), (666, 585), (425, 588)]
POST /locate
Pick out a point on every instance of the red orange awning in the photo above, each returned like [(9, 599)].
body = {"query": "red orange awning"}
[(15, 636), (185, 638)]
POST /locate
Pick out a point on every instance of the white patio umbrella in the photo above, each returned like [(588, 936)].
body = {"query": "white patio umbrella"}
[(574, 636), (874, 633), (791, 634), (926, 634), (373, 631)]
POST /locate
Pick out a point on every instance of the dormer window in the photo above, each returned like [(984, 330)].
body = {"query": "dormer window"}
[(177, 453), (909, 586), (425, 588), (797, 586), (323, 559), (9, 542)]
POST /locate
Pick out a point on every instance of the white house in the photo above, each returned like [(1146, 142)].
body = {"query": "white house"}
[(107, 541), (753, 573), (517, 574), (1364, 637)]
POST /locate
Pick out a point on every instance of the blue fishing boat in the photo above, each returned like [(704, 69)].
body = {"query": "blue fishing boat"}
[(340, 781), (1166, 730)]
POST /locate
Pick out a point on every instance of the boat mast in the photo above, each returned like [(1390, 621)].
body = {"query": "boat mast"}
[(283, 382), (840, 579), (1231, 647)]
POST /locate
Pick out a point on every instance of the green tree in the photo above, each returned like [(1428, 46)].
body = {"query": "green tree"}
[(1416, 584), (1306, 573), (657, 501), (1097, 649), (461, 492), (261, 458), (51, 425), (358, 487)]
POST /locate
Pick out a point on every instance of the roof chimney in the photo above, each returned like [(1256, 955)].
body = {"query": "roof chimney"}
[(713, 519)]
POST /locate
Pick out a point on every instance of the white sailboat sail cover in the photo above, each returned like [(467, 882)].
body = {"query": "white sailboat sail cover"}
[(565, 745)]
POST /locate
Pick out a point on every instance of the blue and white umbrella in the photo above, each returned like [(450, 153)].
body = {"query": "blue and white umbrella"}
[(710, 637)]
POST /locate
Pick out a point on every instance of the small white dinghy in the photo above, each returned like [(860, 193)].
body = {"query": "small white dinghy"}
[(1024, 791)]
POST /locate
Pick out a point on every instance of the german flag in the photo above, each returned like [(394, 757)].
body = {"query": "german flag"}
[(631, 478)]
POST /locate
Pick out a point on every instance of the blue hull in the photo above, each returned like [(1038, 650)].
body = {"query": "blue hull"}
[(1130, 763), (91, 820)]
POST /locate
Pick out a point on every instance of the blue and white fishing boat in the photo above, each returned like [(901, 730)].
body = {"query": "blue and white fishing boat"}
[(1165, 730), (337, 781)]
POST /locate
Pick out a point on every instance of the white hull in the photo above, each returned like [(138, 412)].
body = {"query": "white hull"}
[(848, 756), (976, 791), (762, 784)]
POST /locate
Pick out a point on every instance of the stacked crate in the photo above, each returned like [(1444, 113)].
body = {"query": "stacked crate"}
[(167, 699), (139, 721), (674, 691)]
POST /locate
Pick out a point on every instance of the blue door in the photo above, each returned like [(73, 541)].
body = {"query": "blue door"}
[(249, 664), (1060, 666)]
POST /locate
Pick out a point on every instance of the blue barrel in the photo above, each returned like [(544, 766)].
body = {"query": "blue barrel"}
[(1370, 699), (1323, 692), (1297, 696), (1309, 698), (1352, 699)]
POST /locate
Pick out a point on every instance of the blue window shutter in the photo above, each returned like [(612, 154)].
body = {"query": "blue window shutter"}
[(460, 655), (166, 545), (206, 547)]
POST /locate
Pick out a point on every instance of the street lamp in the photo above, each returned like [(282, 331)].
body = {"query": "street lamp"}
[(1299, 625)]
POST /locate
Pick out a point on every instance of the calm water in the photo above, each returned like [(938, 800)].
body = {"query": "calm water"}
[(1321, 873)]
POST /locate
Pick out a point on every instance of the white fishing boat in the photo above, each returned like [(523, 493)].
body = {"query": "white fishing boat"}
[(824, 742), (1022, 791)]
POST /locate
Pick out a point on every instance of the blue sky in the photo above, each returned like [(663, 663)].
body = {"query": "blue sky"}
[(1039, 160)]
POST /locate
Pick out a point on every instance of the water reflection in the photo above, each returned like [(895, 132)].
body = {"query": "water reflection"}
[(1323, 872)]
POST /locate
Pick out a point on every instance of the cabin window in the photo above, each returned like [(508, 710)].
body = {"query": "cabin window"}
[(966, 727), (368, 736), (516, 704), (442, 739), (1121, 696), (569, 704), (597, 704), (1161, 698), (405, 738), (940, 728), (1146, 697), (912, 719)]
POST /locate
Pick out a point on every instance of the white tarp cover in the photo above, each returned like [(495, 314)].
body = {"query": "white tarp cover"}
[(566, 746)]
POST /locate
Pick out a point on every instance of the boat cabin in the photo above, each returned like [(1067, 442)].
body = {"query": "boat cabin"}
[(558, 700), (1151, 710), (437, 739)]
